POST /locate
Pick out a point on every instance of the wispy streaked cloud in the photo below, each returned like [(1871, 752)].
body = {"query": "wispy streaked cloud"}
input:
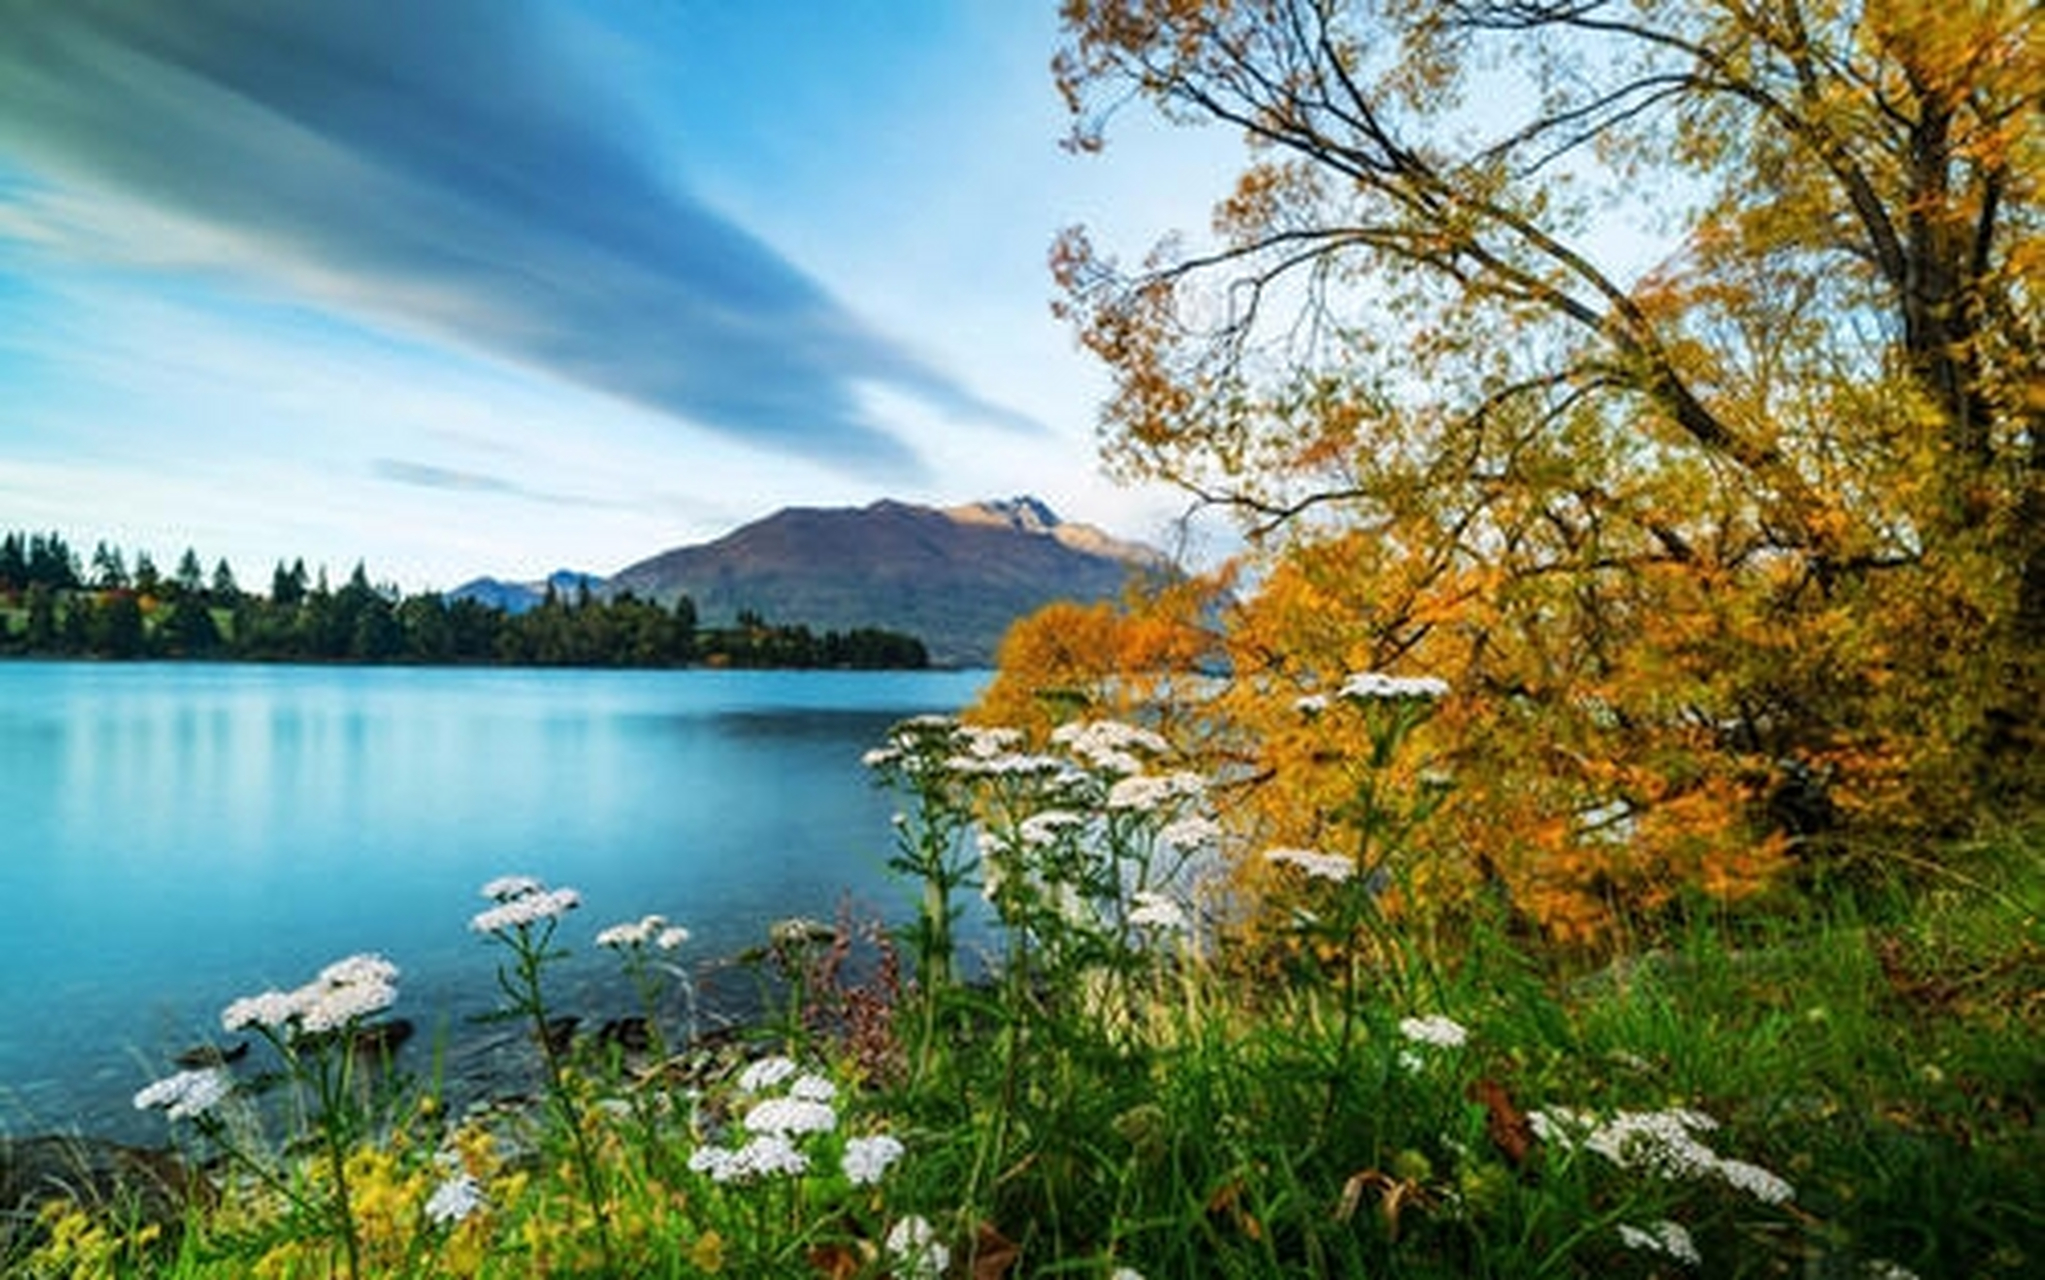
[(438, 166), (454, 480)]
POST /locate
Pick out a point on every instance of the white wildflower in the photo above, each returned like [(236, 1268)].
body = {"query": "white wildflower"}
[(1312, 704), (528, 908), (1321, 866), (1190, 832), (766, 1073), (367, 967), (333, 1005), (671, 937), (812, 1088), (770, 1153), (505, 888), (866, 1159), (1125, 1273), (637, 933), (187, 1094), (790, 1116), (913, 1244), (1663, 1237), (1109, 745), (1661, 1142), (1040, 829), (1156, 911), (454, 1200), (272, 1009), (1434, 1029), (1368, 686), (1883, 1269), (1760, 1183), (881, 757), (1145, 792), (721, 1163)]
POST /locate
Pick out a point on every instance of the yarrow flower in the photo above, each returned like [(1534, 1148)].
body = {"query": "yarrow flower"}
[(455, 1199), (186, 1095), (1660, 1142), (913, 1244), (1367, 686), (505, 888), (650, 930), (272, 1009), (521, 901), (866, 1159), (1434, 1029), (1190, 832), (1665, 1237), (348, 989), (812, 1088), (1042, 828), (1146, 791), (766, 1073), (791, 1116), (1156, 911), (1321, 866), (1109, 745), (332, 1005), (767, 1154)]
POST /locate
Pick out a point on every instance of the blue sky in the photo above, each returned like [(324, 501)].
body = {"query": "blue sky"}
[(490, 287)]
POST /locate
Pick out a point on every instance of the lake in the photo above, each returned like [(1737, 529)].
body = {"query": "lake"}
[(175, 835)]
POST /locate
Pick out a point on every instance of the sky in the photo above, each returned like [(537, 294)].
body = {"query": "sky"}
[(498, 287)]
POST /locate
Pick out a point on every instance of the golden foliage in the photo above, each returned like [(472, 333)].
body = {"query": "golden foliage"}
[(1719, 554)]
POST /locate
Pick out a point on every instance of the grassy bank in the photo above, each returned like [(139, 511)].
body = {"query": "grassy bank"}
[(1836, 1083)]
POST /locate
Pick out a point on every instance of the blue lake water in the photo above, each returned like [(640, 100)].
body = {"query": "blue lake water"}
[(175, 835)]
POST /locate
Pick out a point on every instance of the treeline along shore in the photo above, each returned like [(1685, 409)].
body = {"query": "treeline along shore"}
[(53, 605)]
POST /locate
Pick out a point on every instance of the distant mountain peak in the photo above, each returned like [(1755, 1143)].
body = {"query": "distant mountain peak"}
[(1023, 513), (1026, 514)]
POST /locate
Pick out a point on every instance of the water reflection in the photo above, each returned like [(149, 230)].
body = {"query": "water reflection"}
[(175, 836)]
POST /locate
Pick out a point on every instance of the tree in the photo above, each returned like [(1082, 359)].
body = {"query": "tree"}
[(287, 586), (225, 591), (13, 563), (148, 581), (1765, 505), (109, 573), (191, 575)]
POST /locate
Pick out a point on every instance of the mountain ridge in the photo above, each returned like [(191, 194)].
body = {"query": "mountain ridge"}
[(953, 577)]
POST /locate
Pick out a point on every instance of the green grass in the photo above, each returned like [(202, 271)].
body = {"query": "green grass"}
[(1879, 1049)]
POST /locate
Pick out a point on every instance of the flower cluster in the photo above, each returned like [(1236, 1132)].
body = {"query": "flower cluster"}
[(346, 991), (522, 901), (1664, 1237), (186, 1095), (779, 1121), (1436, 1030), (454, 1200), (1109, 745), (1321, 866), (866, 1159), (1150, 910), (1149, 792), (1367, 686), (649, 930), (913, 1244), (1661, 1142)]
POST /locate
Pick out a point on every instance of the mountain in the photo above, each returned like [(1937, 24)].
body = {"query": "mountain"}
[(953, 578), (517, 597)]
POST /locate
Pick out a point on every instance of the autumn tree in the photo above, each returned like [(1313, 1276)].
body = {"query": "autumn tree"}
[(1665, 373)]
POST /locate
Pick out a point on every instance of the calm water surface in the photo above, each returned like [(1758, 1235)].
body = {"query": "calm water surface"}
[(173, 836)]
